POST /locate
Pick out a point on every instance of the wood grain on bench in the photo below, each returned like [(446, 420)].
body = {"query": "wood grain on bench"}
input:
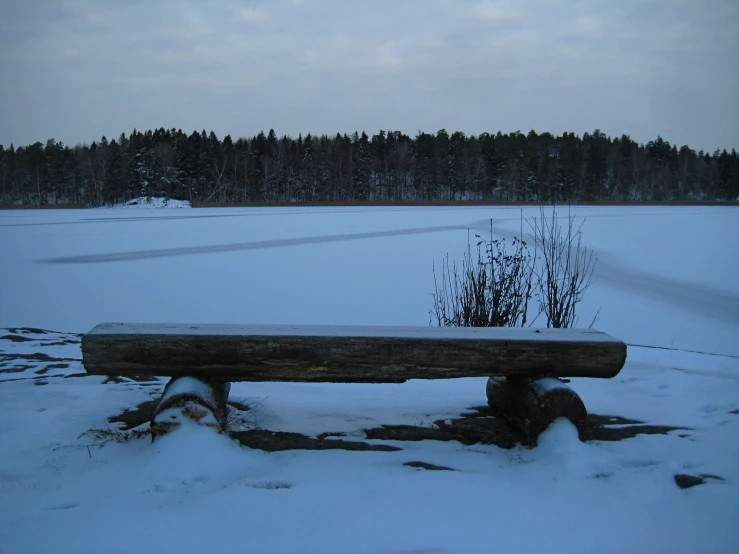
[(301, 353)]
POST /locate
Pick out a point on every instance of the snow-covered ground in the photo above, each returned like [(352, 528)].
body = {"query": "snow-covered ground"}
[(156, 202), (666, 277)]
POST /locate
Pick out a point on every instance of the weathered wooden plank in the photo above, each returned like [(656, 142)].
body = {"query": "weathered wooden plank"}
[(347, 354)]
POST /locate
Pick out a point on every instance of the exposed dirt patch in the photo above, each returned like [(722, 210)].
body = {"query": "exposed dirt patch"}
[(15, 338), (620, 433), (137, 416), (595, 419), (615, 428), (57, 366), (17, 369), (712, 476), (325, 435), (685, 481), (467, 430), (481, 427), (37, 357), (476, 427), (424, 465), (275, 441), (29, 330), (117, 435), (50, 367)]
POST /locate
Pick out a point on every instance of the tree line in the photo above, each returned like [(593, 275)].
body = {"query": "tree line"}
[(389, 166)]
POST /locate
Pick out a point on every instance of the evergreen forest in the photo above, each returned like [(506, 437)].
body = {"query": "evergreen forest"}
[(387, 167)]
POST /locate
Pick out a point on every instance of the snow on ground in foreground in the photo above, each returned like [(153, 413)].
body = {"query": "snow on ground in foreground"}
[(194, 490)]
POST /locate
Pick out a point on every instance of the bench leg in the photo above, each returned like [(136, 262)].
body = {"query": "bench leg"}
[(188, 398), (532, 404)]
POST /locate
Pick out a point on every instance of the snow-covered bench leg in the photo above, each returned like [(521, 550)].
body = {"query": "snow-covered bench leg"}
[(203, 402), (532, 404)]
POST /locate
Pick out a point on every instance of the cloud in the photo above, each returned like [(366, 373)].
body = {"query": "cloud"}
[(239, 66)]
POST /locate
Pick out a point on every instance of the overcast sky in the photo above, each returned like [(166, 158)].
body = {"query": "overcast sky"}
[(79, 69)]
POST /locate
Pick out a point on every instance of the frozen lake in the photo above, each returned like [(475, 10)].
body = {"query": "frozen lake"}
[(666, 276)]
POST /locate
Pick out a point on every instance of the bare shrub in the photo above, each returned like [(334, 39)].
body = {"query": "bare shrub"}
[(492, 288), (564, 268), (489, 289), (102, 435), (240, 415)]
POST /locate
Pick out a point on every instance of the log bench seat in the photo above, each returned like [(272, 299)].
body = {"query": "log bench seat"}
[(524, 366)]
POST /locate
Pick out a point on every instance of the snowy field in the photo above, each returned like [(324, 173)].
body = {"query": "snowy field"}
[(666, 277)]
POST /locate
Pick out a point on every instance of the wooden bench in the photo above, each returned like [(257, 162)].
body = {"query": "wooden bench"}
[(523, 366)]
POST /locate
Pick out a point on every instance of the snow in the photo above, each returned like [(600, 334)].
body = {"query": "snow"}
[(354, 331), (547, 384), (190, 386), (666, 277), (156, 202)]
